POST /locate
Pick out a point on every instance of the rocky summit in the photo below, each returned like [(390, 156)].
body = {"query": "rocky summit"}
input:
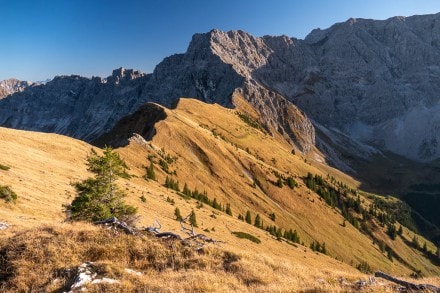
[(11, 86), (370, 83)]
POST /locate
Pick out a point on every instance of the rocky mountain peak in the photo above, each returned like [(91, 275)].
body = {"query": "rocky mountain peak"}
[(12, 85), (372, 81)]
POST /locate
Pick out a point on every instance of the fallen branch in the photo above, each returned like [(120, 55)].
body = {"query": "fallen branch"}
[(189, 231), (407, 285), (155, 229), (193, 238), (117, 224), (168, 235)]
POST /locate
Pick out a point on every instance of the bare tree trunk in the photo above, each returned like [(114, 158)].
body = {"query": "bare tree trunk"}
[(407, 285)]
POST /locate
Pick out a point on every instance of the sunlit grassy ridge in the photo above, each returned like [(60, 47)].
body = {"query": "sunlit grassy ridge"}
[(214, 151)]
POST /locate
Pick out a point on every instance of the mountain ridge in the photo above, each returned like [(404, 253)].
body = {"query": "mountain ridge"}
[(373, 85)]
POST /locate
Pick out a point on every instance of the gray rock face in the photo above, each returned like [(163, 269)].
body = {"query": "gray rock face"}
[(10, 86), (74, 105), (378, 82), (372, 82)]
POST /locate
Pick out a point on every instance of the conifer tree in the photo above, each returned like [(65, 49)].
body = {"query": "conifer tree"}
[(177, 214), (99, 197), (150, 172), (279, 234), (323, 248), (280, 182), (291, 182), (186, 190), (400, 231), (215, 204), (193, 219), (415, 242), (248, 218), (257, 221), (228, 209)]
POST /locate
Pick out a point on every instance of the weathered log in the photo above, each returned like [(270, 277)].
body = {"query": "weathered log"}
[(118, 224), (155, 229), (407, 285), (168, 235)]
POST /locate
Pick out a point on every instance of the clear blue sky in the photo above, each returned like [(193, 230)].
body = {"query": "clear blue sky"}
[(44, 38)]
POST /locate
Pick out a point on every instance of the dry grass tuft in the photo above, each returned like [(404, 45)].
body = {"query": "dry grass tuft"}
[(43, 258), (46, 259)]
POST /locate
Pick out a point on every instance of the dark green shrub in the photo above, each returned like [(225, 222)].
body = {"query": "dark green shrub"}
[(244, 235), (7, 194), (4, 167)]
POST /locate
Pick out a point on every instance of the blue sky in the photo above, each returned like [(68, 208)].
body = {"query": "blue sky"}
[(44, 38)]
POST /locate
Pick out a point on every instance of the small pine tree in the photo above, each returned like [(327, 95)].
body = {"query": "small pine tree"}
[(415, 242), (390, 254), (150, 172), (425, 248), (228, 209), (240, 217), (257, 221), (177, 214), (248, 218), (186, 190), (193, 219), (400, 231), (279, 234), (323, 248), (99, 198), (291, 182), (280, 182), (215, 204), (391, 231), (272, 216)]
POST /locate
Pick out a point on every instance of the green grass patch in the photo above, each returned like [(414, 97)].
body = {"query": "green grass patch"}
[(244, 235)]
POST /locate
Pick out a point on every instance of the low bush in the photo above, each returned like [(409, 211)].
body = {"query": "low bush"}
[(244, 235), (4, 167), (7, 194)]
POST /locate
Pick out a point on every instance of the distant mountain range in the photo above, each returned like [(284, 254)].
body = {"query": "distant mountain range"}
[(359, 91)]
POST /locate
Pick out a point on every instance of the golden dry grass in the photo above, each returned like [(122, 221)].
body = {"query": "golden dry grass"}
[(217, 152), (165, 266)]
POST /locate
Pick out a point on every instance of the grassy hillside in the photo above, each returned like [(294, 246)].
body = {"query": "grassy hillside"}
[(226, 156)]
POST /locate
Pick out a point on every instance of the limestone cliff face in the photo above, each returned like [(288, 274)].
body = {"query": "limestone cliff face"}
[(373, 83), (11, 86)]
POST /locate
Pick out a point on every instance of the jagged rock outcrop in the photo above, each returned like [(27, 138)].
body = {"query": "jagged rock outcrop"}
[(75, 106), (371, 83), (10, 86)]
